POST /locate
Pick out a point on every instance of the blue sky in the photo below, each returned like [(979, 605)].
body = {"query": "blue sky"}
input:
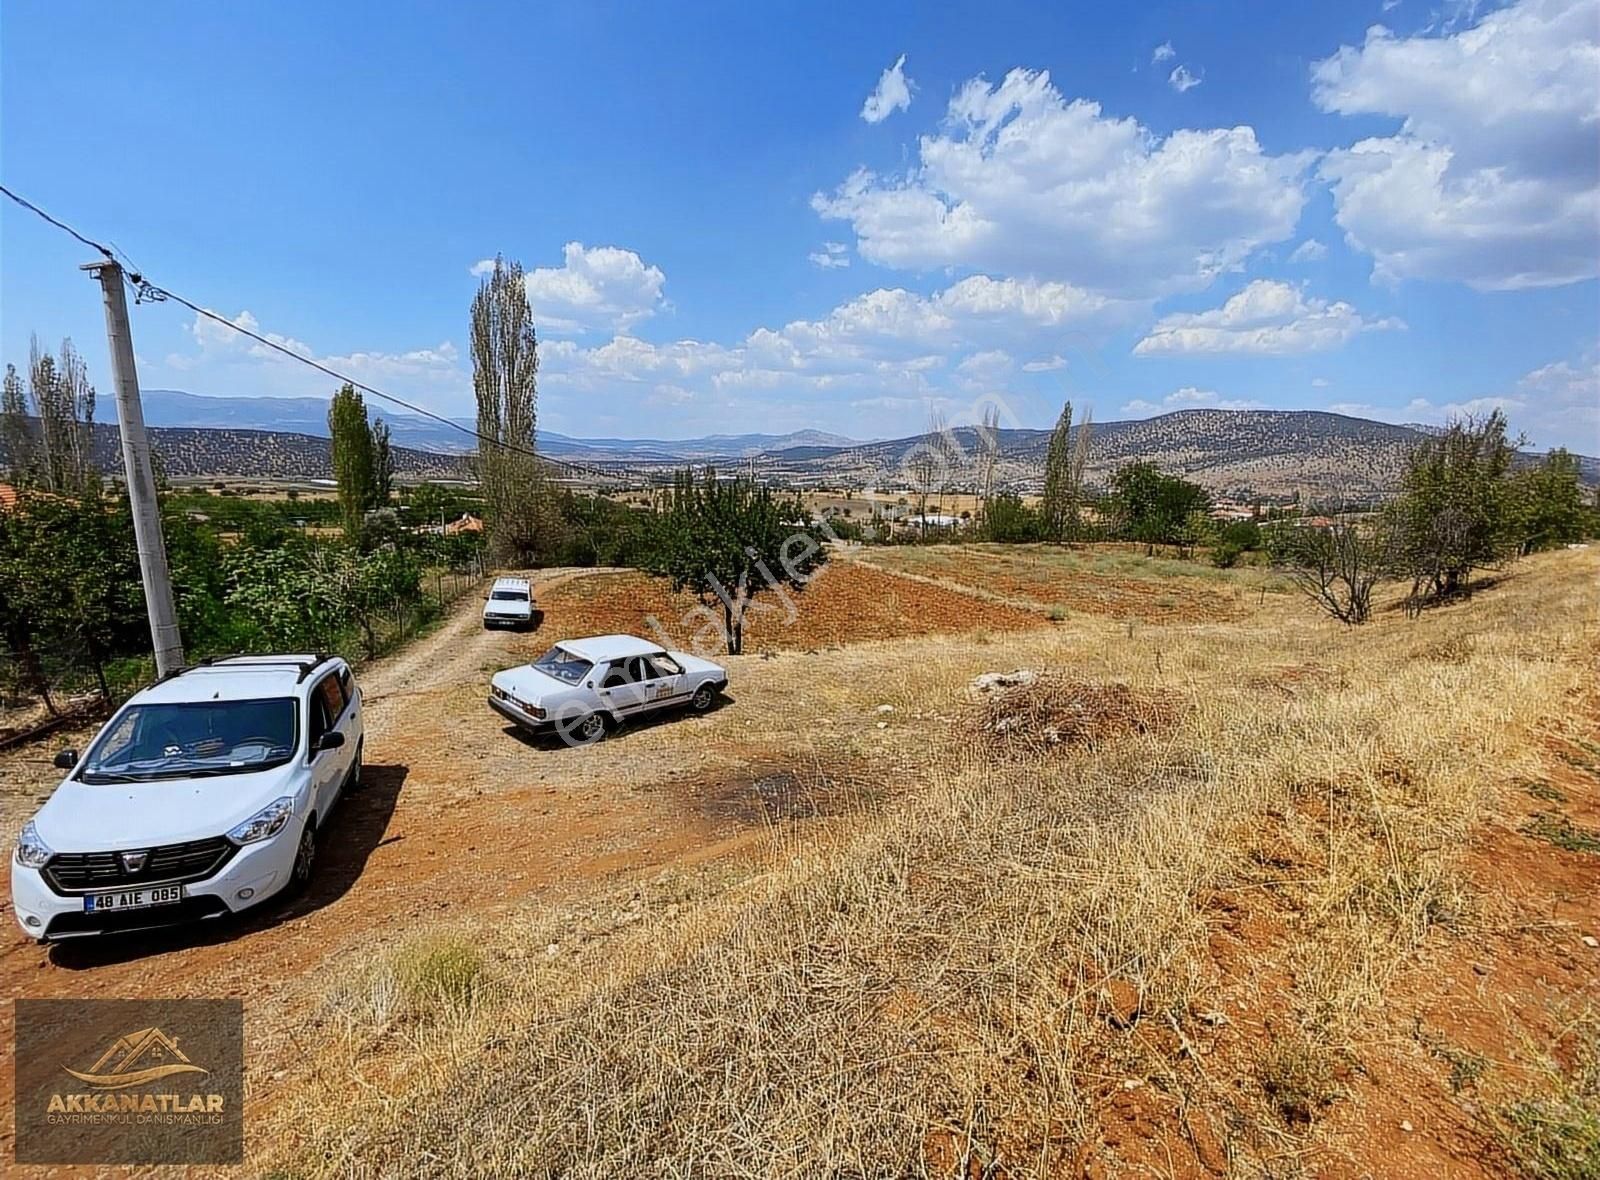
[(768, 217)]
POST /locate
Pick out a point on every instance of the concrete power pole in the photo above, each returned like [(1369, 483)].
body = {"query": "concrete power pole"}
[(141, 479)]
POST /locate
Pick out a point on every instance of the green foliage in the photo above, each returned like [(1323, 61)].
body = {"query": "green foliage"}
[(382, 464), (505, 366), (1556, 1135), (69, 578), (1456, 511), (727, 542), (1008, 520), (1154, 508), (1548, 503), (354, 463)]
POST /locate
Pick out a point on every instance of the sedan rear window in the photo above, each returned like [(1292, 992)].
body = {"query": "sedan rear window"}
[(192, 739), (563, 665)]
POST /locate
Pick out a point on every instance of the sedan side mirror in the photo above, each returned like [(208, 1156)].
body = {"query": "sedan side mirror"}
[(66, 759), (331, 740)]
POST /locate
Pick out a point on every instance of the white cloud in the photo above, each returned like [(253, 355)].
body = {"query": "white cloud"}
[(602, 288), (1189, 398), (1181, 79), (227, 361), (893, 93), (1020, 181), (1266, 318), (1163, 52), (1492, 178), (1309, 250), (987, 369), (832, 256), (1320, 383), (1048, 364)]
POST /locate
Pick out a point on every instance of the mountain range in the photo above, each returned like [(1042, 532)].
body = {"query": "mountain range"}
[(309, 416), (1244, 454)]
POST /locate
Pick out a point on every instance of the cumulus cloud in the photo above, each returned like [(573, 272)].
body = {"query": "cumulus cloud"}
[(225, 359), (1018, 180), (602, 288), (1045, 364), (893, 93), (1492, 178), (832, 256), (1188, 398), (1163, 52), (1309, 250), (1266, 318), (1181, 79), (889, 343)]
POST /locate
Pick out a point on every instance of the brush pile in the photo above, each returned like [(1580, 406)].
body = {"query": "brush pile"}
[(1040, 708)]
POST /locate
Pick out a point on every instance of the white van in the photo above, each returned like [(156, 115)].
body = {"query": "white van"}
[(510, 604)]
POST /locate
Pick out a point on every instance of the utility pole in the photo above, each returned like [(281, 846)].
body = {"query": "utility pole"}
[(142, 499)]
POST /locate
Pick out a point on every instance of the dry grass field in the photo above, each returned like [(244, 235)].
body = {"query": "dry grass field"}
[(1254, 895)]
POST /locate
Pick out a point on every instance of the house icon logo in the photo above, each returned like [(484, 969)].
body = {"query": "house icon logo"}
[(135, 1059)]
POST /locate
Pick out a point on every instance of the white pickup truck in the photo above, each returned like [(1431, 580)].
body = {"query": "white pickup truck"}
[(580, 688)]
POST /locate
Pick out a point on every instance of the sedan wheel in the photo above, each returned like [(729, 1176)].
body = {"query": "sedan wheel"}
[(704, 697), (592, 728)]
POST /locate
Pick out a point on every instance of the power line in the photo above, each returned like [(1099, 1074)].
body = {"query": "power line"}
[(144, 291)]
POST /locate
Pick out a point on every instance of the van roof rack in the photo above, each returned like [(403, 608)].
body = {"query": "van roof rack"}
[(306, 666)]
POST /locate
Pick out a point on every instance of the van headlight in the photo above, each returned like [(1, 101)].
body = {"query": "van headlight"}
[(32, 852), (264, 824)]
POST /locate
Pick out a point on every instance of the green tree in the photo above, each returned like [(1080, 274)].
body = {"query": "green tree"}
[(1008, 520), (15, 438), (1455, 512), (382, 464), (73, 583), (505, 366), (354, 466), (1064, 463), (1154, 508), (1548, 503), (728, 542)]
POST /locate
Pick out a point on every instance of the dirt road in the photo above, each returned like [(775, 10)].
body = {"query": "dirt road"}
[(457, 813)]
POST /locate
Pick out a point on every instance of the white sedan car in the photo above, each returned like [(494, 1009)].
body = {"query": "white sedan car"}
[(204, 795), (582, 687)]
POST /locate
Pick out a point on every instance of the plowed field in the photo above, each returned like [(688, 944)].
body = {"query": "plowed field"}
[(845, 603)]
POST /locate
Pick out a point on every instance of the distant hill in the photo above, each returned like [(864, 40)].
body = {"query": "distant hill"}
[(188, 452), (1237, 453), (309, 415), (1244, 454)]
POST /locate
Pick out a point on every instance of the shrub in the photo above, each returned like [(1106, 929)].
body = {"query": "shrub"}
[(441, 973)]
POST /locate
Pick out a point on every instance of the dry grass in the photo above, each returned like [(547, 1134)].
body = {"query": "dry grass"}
[(929, 972)]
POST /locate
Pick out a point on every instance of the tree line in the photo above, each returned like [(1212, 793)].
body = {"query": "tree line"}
[(1465, 506)]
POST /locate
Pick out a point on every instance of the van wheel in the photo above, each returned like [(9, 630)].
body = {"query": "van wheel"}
[(305, 859), (704, 697)]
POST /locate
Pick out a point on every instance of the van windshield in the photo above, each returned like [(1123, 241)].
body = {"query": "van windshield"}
[(192, 739), (509, 596)]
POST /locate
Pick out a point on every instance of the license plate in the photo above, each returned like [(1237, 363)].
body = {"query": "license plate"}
[(133, 899)]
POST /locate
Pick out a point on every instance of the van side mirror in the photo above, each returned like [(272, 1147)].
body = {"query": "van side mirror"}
[(66, 759), (331, 740)]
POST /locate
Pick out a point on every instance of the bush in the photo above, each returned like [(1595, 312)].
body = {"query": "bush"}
[(1225, 555), (438, 974)]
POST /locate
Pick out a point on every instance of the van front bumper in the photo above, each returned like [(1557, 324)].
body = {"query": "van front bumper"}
[(252, 875)]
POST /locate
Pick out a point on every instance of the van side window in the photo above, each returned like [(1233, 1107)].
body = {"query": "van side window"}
[(347, 684), (332, 693)]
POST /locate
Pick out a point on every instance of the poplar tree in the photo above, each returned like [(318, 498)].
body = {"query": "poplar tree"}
[(353, 463), (505, 365)]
